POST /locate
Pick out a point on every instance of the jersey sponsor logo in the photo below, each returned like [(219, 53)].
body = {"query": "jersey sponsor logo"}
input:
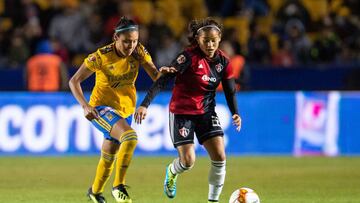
[(219, 67), (181, 59), (200, 66), (206, 78), (184, 131)]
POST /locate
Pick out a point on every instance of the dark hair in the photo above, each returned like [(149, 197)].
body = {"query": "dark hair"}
[(195, 25), (124, 23)]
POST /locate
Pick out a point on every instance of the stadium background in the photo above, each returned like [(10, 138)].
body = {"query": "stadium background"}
[(297, 61)]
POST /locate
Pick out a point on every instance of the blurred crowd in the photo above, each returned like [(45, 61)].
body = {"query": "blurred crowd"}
[(279, 33)]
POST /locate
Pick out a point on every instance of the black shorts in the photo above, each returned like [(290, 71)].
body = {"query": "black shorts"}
[(183, 127)]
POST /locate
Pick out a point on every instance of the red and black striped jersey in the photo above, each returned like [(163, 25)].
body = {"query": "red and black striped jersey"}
[(197, 78)]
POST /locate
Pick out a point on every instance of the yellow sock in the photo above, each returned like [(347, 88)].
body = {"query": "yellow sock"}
[(128, 143), (103, 172)]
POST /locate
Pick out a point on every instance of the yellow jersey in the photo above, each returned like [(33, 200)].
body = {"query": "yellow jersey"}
[(115, 78)]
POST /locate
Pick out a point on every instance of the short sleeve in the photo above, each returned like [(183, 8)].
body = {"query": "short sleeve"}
[(228, 72), (93, 62), (142, 54)]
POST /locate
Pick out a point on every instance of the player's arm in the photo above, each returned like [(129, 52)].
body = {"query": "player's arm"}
[(148, 64), (151, 70), (74, 83), (179, 65), (228, 83)]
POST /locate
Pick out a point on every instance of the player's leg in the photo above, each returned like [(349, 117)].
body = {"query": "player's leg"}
[(210, 134), (216, 151), (103, 170), (107, 118), (128, 138), (183, 163), (182, 136)]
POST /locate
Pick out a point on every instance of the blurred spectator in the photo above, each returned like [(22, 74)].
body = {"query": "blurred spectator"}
[(231, 35), (18, 51), (93, 33), (326, 46), (60, 50), (45, 70), (258, 46), (122, 8), (157, 30), (237, 62), (68, 27), (293, 9), (283, 57), (257, 7), (144, 36), (75, 27), (231, 8), (167, 50), (299, 43)]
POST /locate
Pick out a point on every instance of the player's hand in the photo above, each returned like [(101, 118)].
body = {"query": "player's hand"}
[(166, 69), (90, 112), (140, 114), (237, 121)]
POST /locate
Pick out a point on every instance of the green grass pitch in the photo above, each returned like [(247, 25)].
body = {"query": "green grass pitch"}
[(276, 179)]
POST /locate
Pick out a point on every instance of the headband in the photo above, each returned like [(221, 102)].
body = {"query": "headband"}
[(208, 26), (130, 27)]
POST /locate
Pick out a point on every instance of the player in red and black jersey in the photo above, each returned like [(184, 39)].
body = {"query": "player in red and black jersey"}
[(198, 70)]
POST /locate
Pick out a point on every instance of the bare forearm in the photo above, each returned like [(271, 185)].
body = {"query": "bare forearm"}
[(75, 86), (76, 90)]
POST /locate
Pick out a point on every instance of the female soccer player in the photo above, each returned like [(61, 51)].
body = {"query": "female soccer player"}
[(199, 70), (112, 103)]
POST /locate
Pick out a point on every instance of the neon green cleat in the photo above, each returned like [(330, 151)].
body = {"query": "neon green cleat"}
[(120, 194), (170, 183)]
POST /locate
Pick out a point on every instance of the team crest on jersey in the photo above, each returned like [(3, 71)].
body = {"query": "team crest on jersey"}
[(184, 131), (181, 59), (109, 116), (106, 49), (219, 67), (92, 58)]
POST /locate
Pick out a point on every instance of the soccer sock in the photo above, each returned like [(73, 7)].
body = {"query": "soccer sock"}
[(103, 172), (177, 167), (128, 143), (216, 179)]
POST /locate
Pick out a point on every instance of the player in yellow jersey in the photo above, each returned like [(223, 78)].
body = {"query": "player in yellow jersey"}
[(112, 104)]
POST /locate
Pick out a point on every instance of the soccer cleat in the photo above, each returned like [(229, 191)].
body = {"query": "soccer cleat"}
[(170, 183), (213, 201), (96, 198), (120, 194)]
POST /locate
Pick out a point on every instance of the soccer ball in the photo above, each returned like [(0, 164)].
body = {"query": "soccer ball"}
[(244, 195)]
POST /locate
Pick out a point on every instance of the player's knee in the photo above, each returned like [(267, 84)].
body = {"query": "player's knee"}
[(221, 157), (188, 161), (129, 135), (218, 156)]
